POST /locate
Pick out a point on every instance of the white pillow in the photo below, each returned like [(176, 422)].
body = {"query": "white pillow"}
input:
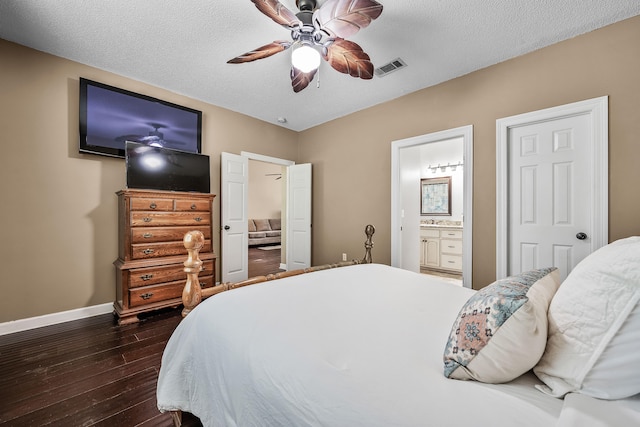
[(587, 342), (616, 374)]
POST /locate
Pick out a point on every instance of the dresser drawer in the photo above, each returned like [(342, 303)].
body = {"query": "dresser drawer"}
[(451, 234), (205, 282), (151, 219), (451, 246), (164, 234), (146, 204), (453, 262), (154, 275), (154, 293), (155, 250), (193, 205)]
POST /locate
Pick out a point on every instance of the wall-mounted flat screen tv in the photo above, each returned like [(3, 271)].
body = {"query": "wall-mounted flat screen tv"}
[(109, 116), (159, 168)]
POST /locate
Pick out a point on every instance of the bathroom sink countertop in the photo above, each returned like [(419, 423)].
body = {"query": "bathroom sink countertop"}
[(441, 225)]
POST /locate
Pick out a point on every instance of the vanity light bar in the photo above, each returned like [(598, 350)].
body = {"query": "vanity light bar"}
[(443, 168)]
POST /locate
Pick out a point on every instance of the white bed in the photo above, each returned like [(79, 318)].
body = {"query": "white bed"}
[(353, 346)]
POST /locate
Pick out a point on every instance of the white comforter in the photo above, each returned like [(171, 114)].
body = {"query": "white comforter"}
[(353, 346)]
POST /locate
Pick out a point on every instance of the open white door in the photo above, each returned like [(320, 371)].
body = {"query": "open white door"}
[(410, 208), (233, 207), (298, 216)]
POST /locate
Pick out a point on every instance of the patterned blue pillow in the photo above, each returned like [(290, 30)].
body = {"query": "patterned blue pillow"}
[(501, 331)]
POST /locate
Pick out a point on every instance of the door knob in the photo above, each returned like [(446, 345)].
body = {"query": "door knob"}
[(226, 227), (581, 236)]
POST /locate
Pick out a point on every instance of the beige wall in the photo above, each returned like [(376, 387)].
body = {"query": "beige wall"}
[(351, 155), (265, 191), (59, 227), (59, 211)]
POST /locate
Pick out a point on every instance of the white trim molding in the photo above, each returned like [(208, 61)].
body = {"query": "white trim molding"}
[(598, 111), (267, 159), (54, 318)]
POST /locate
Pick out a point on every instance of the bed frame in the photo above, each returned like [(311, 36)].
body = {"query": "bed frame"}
[(193, 294)]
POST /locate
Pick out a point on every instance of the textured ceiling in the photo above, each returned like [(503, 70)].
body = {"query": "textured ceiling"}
[(183, 46)]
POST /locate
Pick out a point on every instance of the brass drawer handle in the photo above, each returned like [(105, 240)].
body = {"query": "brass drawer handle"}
[(148, 251), (153, 206), (193, 207), (146, 277), (147, 235), (198, 219), (451, 247), (147, 219), (146, 296)]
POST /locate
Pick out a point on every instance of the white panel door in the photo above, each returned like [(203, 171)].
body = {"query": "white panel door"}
[(233, 208), (410, 212), (549, 194), (299, 216)]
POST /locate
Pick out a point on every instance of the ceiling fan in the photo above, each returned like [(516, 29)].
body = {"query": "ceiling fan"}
[(318, 32), (154, 138)]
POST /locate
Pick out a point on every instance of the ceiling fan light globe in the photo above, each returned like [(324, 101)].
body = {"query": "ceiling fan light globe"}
[(305, 58)]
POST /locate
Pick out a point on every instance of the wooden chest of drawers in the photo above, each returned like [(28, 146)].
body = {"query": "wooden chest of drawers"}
[(149, 269)]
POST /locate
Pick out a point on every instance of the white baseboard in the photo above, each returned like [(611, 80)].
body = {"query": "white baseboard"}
[(283, 266), (54, 318)]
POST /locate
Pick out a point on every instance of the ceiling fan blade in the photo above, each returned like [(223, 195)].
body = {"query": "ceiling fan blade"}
[(300, 80), (343, 18), (349, 58), (276, 11), (261, 52)]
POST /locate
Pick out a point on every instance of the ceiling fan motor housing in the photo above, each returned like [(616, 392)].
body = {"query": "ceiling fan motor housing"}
[(306, 14), (306, 5)]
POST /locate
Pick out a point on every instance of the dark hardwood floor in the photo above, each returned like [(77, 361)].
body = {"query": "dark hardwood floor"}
[(92, 372), (263, 262), (89, 372)]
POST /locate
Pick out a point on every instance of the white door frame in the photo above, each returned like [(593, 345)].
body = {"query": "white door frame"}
[(466, 133), (597, 109), (267, 159)]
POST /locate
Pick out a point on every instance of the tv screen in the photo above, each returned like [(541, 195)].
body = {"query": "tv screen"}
[(159, 168), (109, 116)]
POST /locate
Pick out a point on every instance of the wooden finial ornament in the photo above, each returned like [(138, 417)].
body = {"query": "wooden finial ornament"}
[(192, 292), (368, 244)]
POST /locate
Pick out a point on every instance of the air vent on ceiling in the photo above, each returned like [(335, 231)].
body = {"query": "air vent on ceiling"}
[(392, 66)]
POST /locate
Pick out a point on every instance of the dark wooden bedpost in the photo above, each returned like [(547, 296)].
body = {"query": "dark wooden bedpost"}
[(192, 292), (368, 244)]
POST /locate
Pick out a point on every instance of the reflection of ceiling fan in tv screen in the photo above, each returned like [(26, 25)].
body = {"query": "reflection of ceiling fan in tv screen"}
[(109, 116)]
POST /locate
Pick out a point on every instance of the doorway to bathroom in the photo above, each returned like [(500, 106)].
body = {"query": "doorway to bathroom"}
[(431, 201)]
